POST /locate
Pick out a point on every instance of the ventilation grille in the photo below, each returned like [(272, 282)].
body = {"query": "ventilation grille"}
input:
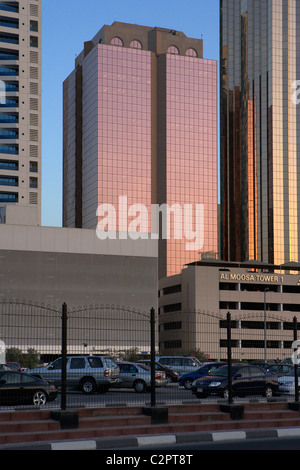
[(34, 10), (34, 119), (34, 73), (34, 57), (34, 136), (33, 198), (34, 151), (34, 88), (34, 104)]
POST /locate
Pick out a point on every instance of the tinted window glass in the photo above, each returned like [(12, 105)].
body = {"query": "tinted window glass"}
[(95, 362), (77, 363)]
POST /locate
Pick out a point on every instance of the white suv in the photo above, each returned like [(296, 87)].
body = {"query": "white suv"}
[(86, 373)]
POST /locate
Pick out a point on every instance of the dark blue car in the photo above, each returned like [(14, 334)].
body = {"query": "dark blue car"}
[(186, 380)]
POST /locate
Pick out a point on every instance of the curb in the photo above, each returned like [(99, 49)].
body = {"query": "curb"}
[(114, 443)]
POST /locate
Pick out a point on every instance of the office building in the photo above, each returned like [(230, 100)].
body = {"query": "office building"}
[(20, 111), (262, 299), (260, 196), (140, 123)]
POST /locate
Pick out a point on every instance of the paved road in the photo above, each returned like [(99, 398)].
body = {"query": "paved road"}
[(284, 443), (171, 394)]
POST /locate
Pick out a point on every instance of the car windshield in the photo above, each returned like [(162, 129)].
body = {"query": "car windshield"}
[(143, 366), (223, 371)]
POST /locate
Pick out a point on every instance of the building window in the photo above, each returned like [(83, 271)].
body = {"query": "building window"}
[(9, 55), (116, 42), (10, 149), (33, 182), (8, 197), (174, 325), (9, 22), (8, 134), (9, 103), (34, 41), (136, 44), (172, 308), (34, 26), (6, 71), (191, 53), (9, 118), (175, 344), (33, 167), (173, 50), (9, 165), (9, 181), (10, 38), (10, 6)]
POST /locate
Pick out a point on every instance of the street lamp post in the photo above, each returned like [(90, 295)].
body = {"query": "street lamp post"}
[(265, 324)]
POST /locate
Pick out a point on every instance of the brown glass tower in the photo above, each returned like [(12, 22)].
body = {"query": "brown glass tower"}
[(140, 120), (260, 171)]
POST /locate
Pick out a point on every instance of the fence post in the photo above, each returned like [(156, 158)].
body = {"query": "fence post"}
[(152, 330), (296, 364), (229, 358), (64, 358)]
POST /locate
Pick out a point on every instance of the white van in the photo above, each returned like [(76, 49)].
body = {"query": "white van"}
[(180, 364)]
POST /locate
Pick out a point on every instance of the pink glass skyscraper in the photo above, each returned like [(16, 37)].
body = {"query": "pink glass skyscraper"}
[(140, 124)]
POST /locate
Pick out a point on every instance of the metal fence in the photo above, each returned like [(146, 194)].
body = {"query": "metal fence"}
[(36, 335)]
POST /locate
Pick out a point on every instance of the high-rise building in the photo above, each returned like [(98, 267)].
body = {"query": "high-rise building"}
[(140, 123), (20, 111), (260, 172)]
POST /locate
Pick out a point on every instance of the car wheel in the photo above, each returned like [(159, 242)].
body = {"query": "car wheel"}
[(169, 379), (88, 386), (268, 391), (139, 386), (225, 393), (39, 398), (188, 384)]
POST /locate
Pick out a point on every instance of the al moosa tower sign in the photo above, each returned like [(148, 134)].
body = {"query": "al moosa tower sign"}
[(251, 277)]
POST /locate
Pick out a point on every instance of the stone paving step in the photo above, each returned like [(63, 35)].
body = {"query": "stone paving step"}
[(37, 426)]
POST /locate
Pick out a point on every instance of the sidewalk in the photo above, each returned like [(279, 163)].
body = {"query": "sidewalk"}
[(115, 443)]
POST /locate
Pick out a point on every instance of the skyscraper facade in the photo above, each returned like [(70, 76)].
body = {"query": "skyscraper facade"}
[(260, 172), (20, 109), (140, 123)]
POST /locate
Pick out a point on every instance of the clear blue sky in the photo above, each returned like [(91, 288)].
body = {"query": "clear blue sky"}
[(66, 25)]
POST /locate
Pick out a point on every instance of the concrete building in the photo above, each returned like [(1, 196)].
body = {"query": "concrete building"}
[(50, 266), (262, 300), (20, 110), (259, 61), (109, 287), (140, 121)]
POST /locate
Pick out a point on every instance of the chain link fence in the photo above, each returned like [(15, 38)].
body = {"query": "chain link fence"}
[(77, 349)]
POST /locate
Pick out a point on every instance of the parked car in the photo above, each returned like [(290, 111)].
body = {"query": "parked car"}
[(138, 376), (186, 380), (286, 384), (172, 375), (246, 380), (86, 373), (18, 388), (181, 364), (281, 369), (14, 365)]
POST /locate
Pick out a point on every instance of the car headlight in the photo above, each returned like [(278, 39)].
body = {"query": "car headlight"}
[(215, 384)]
